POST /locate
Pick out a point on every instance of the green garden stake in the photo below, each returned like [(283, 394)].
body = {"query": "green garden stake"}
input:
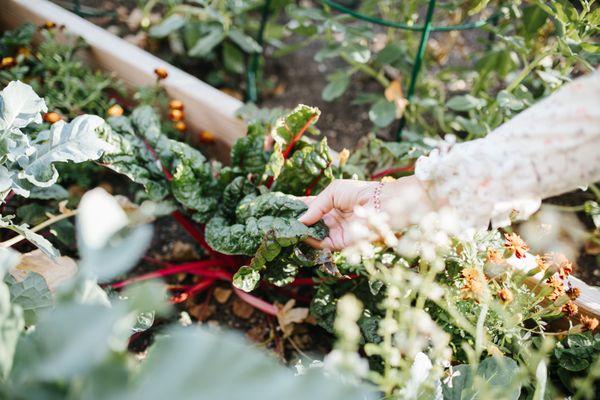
[(425, 30), (418, 62), (252, 90)]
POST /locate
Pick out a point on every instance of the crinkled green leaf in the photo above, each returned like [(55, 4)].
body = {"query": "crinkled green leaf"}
[(296, 123), (309, 167), (31, 293)]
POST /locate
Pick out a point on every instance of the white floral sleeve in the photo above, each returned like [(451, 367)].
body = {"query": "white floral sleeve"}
[(551, 148)]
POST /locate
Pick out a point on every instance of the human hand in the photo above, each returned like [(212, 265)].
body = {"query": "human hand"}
[(404, 200)]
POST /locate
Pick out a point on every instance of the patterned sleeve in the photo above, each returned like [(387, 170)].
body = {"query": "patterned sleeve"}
[(551, 148)]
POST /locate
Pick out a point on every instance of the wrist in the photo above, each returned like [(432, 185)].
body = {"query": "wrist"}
[(406, 201)]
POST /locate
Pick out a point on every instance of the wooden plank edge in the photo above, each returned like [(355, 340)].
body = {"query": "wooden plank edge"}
[(210, 109)]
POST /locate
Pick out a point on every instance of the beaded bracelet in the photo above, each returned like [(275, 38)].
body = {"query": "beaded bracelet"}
[(377, 196)]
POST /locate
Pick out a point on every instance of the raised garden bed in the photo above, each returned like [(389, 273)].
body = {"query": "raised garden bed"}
[(213, 110), (232, 253)]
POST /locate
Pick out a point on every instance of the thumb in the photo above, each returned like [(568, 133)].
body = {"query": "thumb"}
[(317, 208)]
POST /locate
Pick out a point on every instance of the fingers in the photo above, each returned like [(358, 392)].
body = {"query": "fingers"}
[(320, 244), (306, 199), (317, 207)]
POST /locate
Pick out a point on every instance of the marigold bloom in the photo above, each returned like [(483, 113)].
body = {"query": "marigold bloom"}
[(560, 264), (493, 256), (505, 295), (589, 323), (115, 111), (558, 287), (541, 262), (51, 117), (161, 73), (570, 309), (7, 62), (175, 115), (474, 283), (181, 126), (176, 105), (206, 137), (574, 293), (515, 244)]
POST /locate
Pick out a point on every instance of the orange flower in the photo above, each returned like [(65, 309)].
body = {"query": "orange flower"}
[(206, 137), (560, 264), (505, 295), (541, 262), (115, 111), (49, 25), (52, 117), (515, 244), (470, 273), (494, 257), (7, 62), (176, 105), (589, 323), (474, 283), (175, 115), (161, 73), (574, 293), (570, 309), (24, 51), (558, 287), (181, 126)]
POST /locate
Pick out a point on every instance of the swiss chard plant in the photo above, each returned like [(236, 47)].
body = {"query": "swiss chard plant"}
[(69, 339), (29, 157)]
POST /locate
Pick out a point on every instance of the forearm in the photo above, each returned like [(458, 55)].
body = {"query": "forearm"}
[(551, 148)]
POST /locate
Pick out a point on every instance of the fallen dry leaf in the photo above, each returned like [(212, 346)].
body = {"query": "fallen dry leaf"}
[(287, 316), (182, 251), (221, 294), (202, 312), (242, 309), (394, 93), (54, 271)]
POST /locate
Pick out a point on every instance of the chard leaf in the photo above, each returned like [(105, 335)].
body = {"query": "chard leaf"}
[(20, 106), (76, 141), (39, 241), (31, 293), (291, 127), (11, 316), (185, 351), (309, 167)]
